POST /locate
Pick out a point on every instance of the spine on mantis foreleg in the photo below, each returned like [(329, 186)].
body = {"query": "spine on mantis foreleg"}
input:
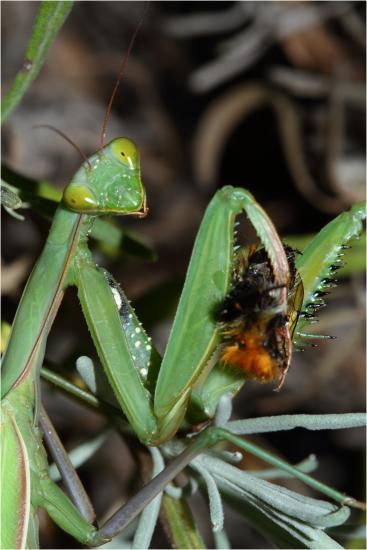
[(195, 333), (320, 260)]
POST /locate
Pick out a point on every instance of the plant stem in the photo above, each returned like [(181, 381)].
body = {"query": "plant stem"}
[(49, 20), (82, 395), (339, 497)]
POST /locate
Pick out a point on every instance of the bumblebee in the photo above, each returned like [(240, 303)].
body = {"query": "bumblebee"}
[(255, 325)]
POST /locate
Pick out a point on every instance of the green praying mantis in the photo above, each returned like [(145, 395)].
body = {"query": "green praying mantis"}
[(154, 394)]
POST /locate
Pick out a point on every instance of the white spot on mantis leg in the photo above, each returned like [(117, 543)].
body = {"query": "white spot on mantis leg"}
[(116, 297)]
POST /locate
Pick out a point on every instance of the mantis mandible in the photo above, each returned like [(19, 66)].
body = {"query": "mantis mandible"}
[(109, 183)]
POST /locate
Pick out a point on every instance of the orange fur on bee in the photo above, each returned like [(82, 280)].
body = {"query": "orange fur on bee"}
[(247, 352)]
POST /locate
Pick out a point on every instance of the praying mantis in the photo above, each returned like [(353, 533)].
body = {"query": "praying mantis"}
[(97, 189), (154, 395)]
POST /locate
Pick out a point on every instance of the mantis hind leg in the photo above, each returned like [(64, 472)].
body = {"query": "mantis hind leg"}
[(67, 471)]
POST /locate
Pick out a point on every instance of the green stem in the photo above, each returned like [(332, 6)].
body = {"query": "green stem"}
[(82, 395), (49, 20), (339, 497)]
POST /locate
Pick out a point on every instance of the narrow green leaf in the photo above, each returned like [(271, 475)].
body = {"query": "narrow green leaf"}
[(291, 421), (215, 502), (279, 463), (50, 18), (281, 530), (221, 540), (318, 513), (180, 524), (148, 518)]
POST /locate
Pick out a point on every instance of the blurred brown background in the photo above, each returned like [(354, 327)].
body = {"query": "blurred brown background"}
[(264, 95)]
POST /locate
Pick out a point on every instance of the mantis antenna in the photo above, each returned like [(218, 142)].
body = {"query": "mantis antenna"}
[(120, 77), (60, 133)]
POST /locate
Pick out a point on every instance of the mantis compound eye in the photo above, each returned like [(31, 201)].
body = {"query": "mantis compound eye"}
[(126, 152), (79, 198)]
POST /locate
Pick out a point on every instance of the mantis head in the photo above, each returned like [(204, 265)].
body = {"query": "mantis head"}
[(109, 182)]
